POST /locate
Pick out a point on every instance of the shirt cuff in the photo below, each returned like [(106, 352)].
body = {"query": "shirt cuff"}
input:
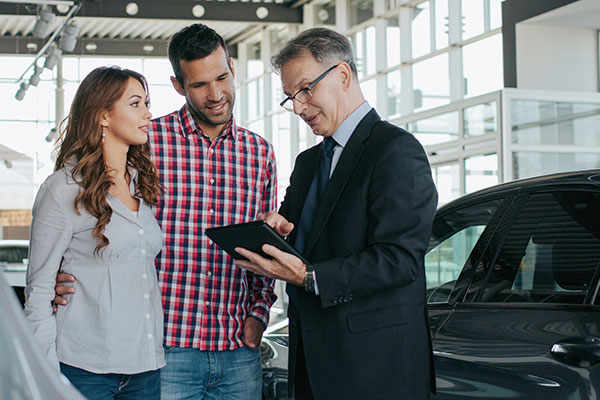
[(316, 285)]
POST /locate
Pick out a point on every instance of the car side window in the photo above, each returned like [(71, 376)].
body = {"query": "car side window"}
[(453, 237), (13, 254), (551, 253)]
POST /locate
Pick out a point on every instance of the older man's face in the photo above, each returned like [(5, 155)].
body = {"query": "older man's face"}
[(324, 112)]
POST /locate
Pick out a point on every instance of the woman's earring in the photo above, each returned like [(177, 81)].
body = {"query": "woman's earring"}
[(103, 134)]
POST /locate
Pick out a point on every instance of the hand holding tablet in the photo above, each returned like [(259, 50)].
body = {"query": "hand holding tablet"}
[(251, 236)]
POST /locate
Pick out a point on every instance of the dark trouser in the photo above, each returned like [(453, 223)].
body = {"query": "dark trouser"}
[(302, 389), (142, 386)]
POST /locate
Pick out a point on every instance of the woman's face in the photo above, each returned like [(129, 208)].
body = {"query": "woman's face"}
[(127, 122)]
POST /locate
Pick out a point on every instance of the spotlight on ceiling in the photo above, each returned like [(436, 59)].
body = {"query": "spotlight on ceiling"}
[(52, 135), (68, 38), (262, 12), (37, 73), (42, 24), (22, 90), (132, 8), (52, 57), (32, 46), (198, 11)]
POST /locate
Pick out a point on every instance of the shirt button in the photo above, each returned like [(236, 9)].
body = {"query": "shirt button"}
[(207, 302), (144, 275), (208, 273), (147, 316), (212, 181), (143, 251), (146, 295), (141, 231), (211, 211), (210, 151)]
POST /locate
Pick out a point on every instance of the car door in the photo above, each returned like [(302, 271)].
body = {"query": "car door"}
[(527, 326)]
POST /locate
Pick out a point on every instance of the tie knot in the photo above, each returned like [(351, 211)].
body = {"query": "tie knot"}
[(328, 146)]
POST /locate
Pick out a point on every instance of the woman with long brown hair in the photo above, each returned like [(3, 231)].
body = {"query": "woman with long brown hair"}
[(92, 218)]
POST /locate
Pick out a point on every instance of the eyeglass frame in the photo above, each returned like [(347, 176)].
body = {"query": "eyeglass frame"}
[(307, 89)]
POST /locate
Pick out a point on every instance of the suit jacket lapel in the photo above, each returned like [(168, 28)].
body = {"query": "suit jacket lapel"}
[(343, 170)]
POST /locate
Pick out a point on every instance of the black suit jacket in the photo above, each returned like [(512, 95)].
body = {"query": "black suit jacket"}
[(366, 335)]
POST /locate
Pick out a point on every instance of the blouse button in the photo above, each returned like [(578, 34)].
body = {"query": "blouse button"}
[(144, 275), (141, 231), (143, 251)]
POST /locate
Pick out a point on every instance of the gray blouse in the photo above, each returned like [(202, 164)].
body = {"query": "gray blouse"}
[(114, 320)]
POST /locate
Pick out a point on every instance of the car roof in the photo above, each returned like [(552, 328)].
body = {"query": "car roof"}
[(563, 180), (6, 243)]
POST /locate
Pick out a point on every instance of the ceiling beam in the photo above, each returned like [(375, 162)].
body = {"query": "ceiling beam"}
[(104, 47), (241, 11)]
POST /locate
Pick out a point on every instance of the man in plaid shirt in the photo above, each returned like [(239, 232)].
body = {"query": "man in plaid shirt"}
[(214, 173)]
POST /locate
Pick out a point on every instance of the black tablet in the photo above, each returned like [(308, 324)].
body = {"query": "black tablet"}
[(251, 236)]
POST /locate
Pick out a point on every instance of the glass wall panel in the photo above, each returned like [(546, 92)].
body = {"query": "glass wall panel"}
[(370, 50), (528, 164), (495, 14), (254, 64), (71, 68), (359, 11), (482, 63), (369, 89), (431, 82), (441, 23), (87, 64), (392, 42), (255, 98), (283, 150), (563, 123), (277, 95), (481, 172), (421, 30), (447, 182), (480, 119), (164, 100), (438, 129), (325, 14), (158, 71), (472, 12), (394, 95), (357, 44)]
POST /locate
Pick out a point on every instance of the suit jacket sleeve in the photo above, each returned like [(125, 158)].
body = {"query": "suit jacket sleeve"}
[(401, 201)]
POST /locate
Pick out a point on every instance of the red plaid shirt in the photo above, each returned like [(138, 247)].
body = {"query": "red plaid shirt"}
[(230, 180)]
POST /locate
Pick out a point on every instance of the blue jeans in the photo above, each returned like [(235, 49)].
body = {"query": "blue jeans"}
[(142, 386), (227, 375)]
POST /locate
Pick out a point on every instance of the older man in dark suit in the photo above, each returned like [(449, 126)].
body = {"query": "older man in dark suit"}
[(359, 208)]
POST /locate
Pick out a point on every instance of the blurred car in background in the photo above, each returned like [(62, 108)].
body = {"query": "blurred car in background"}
[(513, 278), (13, 264)]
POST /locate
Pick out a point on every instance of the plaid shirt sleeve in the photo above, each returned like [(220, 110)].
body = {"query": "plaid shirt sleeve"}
[(262, 289)]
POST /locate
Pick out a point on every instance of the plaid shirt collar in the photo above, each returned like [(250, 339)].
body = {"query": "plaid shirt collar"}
[(189, 125)]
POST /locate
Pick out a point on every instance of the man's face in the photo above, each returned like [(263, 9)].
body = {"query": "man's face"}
[(323, 113), (208, 88)]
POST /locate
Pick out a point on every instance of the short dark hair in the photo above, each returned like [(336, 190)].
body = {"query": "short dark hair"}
[(191, 43), (325, 45)]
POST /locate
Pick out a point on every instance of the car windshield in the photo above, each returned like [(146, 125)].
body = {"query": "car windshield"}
[(13, 254)]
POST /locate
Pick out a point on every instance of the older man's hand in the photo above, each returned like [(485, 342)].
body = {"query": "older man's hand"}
[(283, 266), (277, 222)]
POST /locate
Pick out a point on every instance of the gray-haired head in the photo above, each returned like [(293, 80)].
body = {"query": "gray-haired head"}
[(326, 46)]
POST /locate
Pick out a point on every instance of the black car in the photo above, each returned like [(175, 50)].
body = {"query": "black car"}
[(513, 278)]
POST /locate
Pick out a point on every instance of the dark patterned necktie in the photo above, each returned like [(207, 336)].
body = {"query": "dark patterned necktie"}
[(311, 204)]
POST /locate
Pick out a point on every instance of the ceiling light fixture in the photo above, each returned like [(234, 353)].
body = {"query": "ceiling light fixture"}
[(68, 38), (198, 11), (53, 52), (262, 12), (37, 75), (42, 24), (132, 8)]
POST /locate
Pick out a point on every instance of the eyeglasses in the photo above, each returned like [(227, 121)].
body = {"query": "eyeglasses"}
[(304, 95)]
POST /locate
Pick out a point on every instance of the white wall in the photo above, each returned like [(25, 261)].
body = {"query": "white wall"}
[(556, 58)]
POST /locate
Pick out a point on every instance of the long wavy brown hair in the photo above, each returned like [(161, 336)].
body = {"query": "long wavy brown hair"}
[(80, 146)]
